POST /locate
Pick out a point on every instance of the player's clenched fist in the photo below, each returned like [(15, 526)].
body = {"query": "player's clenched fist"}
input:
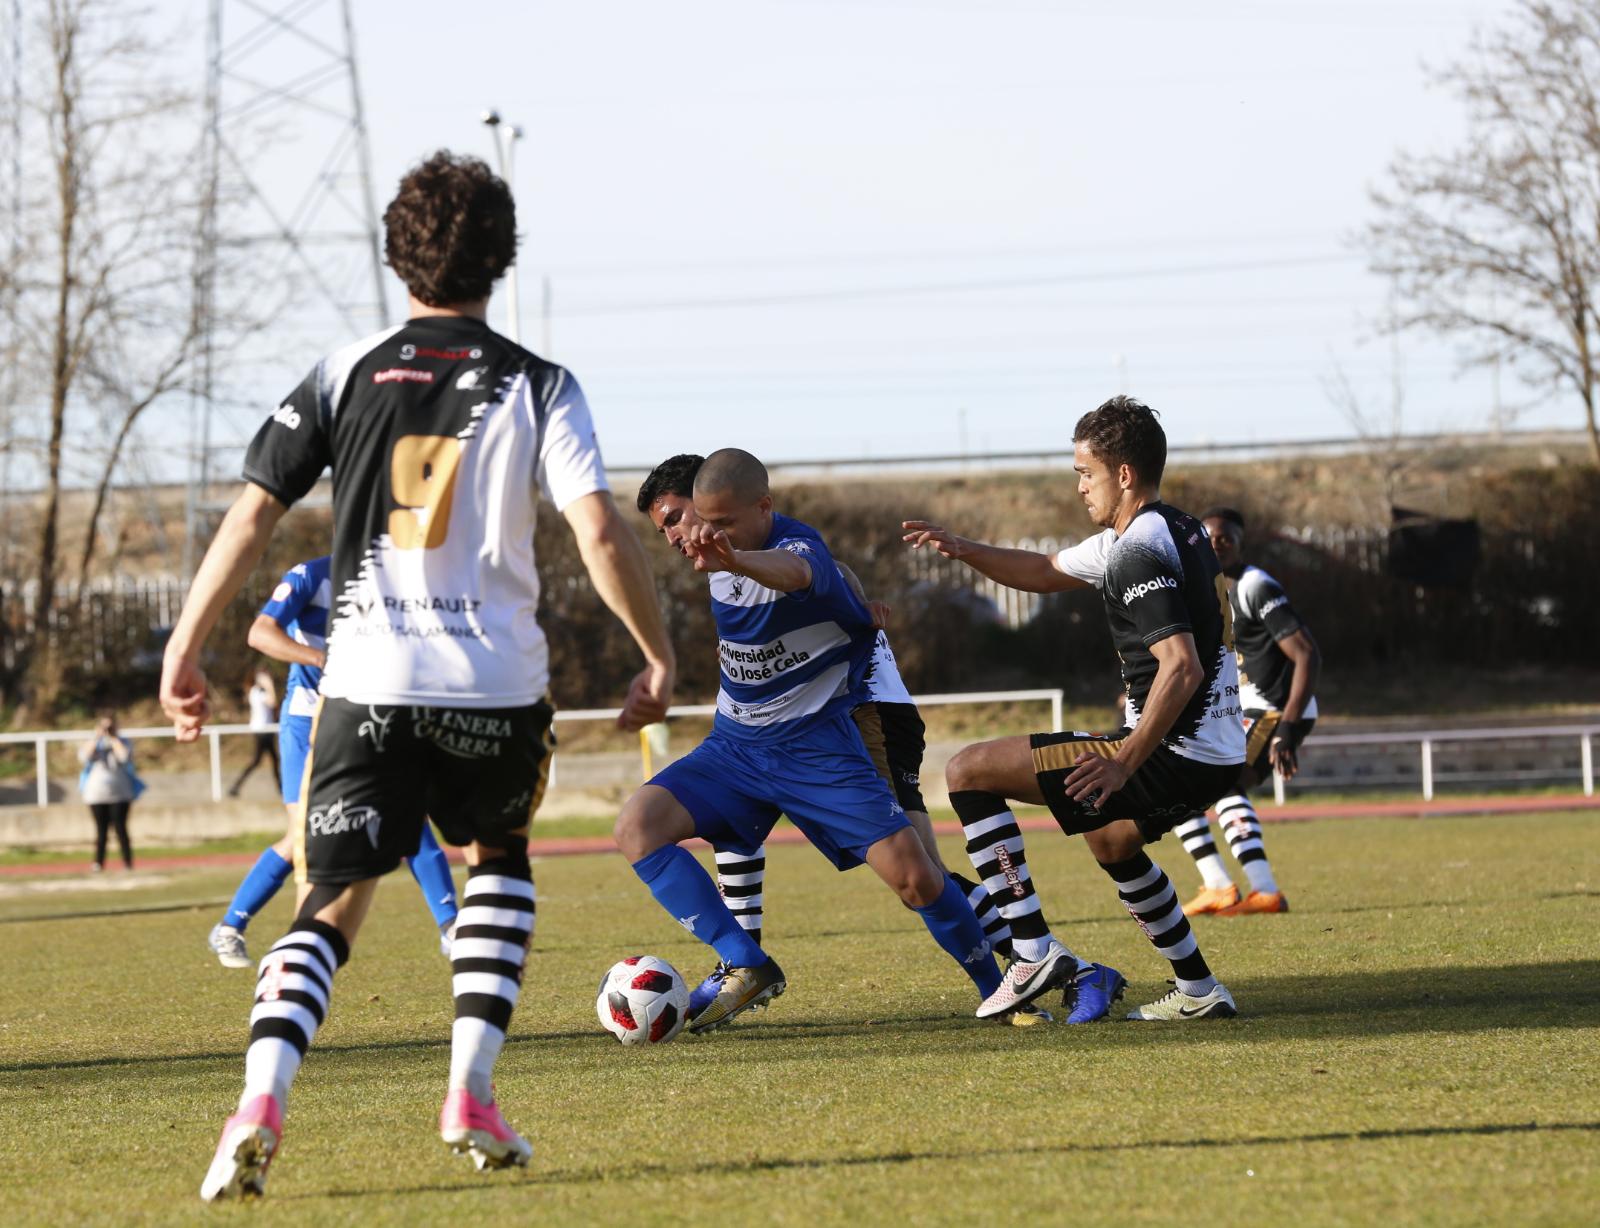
[(183, 696), (924, 533)]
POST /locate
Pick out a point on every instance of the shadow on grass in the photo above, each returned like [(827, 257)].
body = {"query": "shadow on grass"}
[(1350, 1004), (967, 1155)]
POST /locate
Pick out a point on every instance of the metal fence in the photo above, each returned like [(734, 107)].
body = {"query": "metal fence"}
[(213, 734)]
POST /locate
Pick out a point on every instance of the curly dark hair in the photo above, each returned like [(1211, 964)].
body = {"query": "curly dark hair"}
[(1124, 431), (451, 230), (673, 476)]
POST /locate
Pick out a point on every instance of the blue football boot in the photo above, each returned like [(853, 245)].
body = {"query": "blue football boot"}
[(1090, 996)]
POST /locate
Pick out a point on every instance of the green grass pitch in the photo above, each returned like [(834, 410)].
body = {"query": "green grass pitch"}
[(1419, 1043)]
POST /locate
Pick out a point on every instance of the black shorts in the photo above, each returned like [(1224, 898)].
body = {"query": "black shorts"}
[(1260, 727), (1165, 791), (378, 772), (893, 734)]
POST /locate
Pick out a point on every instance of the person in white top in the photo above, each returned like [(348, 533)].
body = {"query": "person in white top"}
[(108, 786), (263, 699), (442, 436)]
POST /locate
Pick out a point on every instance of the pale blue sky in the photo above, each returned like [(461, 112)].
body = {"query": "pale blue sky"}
[(829, 227)]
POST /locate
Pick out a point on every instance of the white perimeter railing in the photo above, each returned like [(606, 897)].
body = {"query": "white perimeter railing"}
[(215, 733), (1425, 740)]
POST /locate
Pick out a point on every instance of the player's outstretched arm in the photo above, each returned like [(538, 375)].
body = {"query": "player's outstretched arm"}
[(1027, 570), (271, 640), (620, 571), (780, 570), (238, 546)]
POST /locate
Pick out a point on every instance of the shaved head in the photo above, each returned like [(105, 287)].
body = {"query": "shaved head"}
[(734, 473)]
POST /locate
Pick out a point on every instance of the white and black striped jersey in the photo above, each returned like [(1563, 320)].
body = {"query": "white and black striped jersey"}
[(1262, 616), (883, 684), (1160, 578), (442, 434)]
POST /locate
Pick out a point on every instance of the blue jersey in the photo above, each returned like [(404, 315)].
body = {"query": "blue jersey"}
[(789, 660), (300, 605)]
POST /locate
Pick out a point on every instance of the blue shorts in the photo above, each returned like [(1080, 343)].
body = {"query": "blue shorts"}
[(294, 744), (822, 779)]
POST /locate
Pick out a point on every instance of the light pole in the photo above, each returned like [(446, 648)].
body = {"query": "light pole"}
[(506, 137)]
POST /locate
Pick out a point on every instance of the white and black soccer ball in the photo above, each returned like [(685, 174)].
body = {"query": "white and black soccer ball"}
[(642, 1001)]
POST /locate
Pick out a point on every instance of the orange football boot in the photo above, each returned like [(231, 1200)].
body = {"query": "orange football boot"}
[(1257, 901), (1212, 900)]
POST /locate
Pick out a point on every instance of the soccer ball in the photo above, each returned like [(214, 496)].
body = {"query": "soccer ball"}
[(642, 1001)]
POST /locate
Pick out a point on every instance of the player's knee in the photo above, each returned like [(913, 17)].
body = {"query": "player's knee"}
[(318, 897), (1115, 843), (509, 862), (641, 828), (964, 771)]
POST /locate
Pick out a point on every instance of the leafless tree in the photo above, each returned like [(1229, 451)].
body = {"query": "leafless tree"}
[(1498, 242), (104, 312)]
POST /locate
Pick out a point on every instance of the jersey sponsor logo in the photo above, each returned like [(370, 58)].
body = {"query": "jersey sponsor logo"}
[(1148, 586), (287, 415), (1272, 605), (797, 547), (761, 662), (465, 734), (443, 605), (282, 592), (470, 381), (409, 351), (339, 818), (375, 727), (402, 375)]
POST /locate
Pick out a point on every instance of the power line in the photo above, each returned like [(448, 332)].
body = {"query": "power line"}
[(909, 290)]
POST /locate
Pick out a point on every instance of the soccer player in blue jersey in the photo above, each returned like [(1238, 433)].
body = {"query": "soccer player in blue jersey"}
[(794, 642), (293, 627)]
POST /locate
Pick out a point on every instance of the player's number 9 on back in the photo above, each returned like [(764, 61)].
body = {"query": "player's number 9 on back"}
[(422, 480)]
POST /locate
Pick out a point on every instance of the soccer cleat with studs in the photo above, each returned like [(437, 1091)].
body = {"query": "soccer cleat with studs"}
[(1179, 1007), (1211, 900), (227, 944), (1026, 980), (741, 989), (1090, 996), (1257, 902), (472, 1128), (249, 1141)]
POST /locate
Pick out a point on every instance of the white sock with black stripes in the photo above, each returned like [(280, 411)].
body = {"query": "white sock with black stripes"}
[(1241, 827), (292, 990), (1148, 896), (994, 843), (487, 955), (740, 878), (1197, 842)]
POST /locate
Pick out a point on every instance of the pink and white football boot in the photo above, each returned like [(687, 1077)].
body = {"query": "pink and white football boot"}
[(249, 1141), (470, 1127)]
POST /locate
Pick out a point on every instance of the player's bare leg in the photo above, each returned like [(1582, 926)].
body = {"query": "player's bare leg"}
[(487, 956)]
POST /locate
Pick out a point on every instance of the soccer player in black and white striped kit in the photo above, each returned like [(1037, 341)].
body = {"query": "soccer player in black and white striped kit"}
[(1279, 664), (442, 436)]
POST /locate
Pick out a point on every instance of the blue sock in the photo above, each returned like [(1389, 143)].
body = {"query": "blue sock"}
[(955, 927), (431, 868), (686, 891), (259, 886)]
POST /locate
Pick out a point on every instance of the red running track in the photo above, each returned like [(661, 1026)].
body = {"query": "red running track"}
[(578, 845)]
